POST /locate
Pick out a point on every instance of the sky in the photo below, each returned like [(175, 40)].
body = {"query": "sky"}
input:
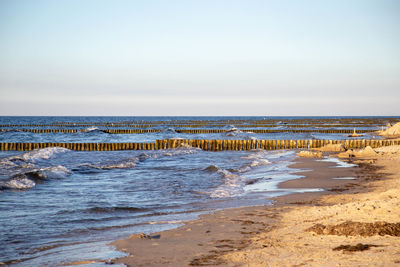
[(208, 57)]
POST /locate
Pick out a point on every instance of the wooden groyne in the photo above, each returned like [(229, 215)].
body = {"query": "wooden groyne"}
[(197, 125), (188, 131), (41, 130), (207, 145)]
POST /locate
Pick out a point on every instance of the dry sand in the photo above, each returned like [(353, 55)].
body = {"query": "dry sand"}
[(392, 132), (351, 223)]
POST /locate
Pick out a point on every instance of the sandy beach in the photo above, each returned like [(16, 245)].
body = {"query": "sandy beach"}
[(353, 222)]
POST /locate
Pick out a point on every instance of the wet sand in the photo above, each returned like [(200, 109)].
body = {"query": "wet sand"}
[(347, 229), (276, 235)]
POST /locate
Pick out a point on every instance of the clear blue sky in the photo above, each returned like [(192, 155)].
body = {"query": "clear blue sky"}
[(208, 57)]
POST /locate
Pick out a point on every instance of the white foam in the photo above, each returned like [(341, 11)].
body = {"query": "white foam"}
[(127, 164), (233, 185), (257, 159), (228, 174), (171, 130), (340, 164), (167, 222), (90, 129), (233, 131), (20, 182), (6, 163), (45, 153), (260, 162), (55, 172), (344, 178), (183, 150)]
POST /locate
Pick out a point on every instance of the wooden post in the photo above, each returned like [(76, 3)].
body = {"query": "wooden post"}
[(228, 145), (273, 144), (246, 145), (302, 143), (208, 145), (278, 144), (235, 145), (380, 143), (267, 144), (213, 145)]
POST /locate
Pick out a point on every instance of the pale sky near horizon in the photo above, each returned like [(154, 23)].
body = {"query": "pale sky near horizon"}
[(209, 57)]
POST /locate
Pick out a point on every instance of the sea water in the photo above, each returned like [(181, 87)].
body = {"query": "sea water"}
[(58, 206)]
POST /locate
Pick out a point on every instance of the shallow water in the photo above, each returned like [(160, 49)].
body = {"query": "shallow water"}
[(60, 206)]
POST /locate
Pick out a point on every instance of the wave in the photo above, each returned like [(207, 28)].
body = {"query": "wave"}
[(232, 131), (134, 161), (224, 173), (24, 172), (259, 162), (110, 227), (169, 130), (212, 168), (18, 181), (142, 157), (90, 129), (7, 163), (232, 184), (26, 179), (125, 164), (39, 154), (256, 159), (228, 189), (184, 149), (56, 172), (114, 209)]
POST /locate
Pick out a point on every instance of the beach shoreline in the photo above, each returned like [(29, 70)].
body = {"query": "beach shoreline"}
[(234, 237)]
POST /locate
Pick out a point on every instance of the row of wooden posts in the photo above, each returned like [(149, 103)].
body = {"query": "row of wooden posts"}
[(317, 122), (188, 131), (208, 145), (190, 125)]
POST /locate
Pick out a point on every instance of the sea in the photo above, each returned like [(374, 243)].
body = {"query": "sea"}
[(59, 207)]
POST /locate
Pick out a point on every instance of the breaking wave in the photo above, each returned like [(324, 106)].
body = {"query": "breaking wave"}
[(169, 130), (56, 172), (28, 178), (93, 130), (18, 181), (125, 164), (39, 154), (234, 179), (90, 129), (184, 149), (233, 131), (232, 184), (21, 171), (256, 159)]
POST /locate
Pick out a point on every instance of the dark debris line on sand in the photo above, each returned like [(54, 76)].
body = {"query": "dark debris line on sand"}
[(358, 247), (350, 228)]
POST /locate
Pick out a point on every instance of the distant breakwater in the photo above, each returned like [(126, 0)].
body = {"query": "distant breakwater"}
[(186, 131)]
